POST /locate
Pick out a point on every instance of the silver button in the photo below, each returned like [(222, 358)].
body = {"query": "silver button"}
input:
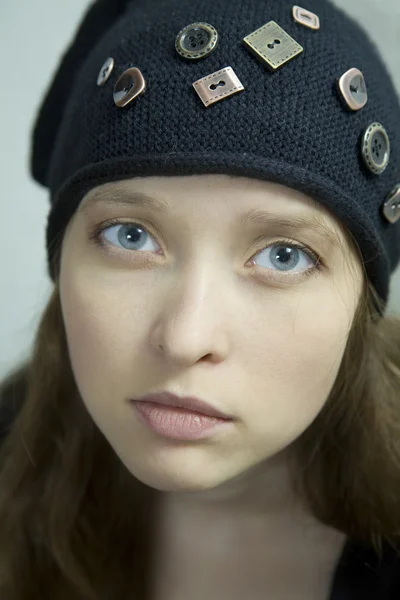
[(305, 17), (129, 86), (218, 85), (376, 148), (391, 207), (105, 71), (273, 45), (353, 89), (196, 40)]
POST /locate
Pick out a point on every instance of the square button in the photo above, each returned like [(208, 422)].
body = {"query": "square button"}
[(353, 89), (218, 85), (305, 17), (273, 45), (391, 208)]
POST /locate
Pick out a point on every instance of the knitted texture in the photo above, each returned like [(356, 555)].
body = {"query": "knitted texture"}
[(289, 126)]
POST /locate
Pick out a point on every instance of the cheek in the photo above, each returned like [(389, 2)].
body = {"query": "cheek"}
[(293, 360), (100, 343)]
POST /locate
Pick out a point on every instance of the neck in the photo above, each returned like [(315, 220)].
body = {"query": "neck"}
[(203, 551), (262, 490)]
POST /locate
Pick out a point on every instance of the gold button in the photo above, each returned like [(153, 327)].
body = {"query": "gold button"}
[(105, 71), (196, 40), (353, 89), (218, 85), (273, 45), (305, 17), (391, 207), (129, 86)]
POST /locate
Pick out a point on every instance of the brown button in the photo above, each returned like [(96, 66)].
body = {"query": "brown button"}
[(305, 17), (218, 85), (273, 45), (129, 86), (105, 71), (391, 207), (353, 89)]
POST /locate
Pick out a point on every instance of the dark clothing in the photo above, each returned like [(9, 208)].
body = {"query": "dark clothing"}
[(359, 574)]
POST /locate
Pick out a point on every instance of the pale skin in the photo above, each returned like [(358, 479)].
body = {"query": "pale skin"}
[(189, 312)]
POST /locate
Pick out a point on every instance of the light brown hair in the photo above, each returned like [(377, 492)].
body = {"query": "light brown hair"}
[(76, 524)]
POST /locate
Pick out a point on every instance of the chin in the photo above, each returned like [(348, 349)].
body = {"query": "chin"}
[(173, 479), (176, 483)]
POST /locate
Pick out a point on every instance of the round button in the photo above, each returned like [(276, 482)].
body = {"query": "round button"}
[(376, 148), (105, 71), (196, 40), (129, 86), (353, 88)]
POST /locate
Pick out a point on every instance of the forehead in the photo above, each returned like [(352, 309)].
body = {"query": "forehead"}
[(242, 192), (240, 200)]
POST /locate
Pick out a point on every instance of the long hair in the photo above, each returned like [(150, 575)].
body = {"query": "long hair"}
[(76, 524)]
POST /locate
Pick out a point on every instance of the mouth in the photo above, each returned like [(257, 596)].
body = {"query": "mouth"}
[(178, 423), (189, 403)]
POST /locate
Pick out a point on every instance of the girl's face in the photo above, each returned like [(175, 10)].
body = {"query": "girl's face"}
[(245, 321)]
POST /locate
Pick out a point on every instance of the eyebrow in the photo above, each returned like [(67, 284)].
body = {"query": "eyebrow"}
[(311, 223)]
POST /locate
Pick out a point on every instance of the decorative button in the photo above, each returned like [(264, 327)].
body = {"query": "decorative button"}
[(218, 85), (273, 45), (391, 207), (353, 89), (105, 71), (129, 86), (196, 40), (305, 17), (376, 148)]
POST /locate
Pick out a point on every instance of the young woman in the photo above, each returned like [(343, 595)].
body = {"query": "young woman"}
[(212, 405)]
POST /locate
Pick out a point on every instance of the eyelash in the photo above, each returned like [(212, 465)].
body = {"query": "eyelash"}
[(95, 236)]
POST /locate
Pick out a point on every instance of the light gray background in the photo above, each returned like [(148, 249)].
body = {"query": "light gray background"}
[(33, 36)]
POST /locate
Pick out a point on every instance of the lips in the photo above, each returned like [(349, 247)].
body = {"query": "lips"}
[(191, 403)]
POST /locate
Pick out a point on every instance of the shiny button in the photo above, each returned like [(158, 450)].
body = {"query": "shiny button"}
[(376, 148), (305, 17), (196, 40), (391, 207), (129, 86), (105, 71), (353, 89), (273, 45), (218, 85)]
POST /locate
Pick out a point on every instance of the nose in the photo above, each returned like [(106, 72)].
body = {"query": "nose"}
[(192, 318)]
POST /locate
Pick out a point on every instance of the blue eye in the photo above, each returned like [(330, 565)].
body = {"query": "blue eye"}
[(286, 256), (280, 257), (131, 236)]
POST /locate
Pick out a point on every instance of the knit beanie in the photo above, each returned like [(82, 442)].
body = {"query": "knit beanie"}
[(297, 95)]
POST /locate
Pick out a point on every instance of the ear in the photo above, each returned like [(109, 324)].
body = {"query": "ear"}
[(98, 19)]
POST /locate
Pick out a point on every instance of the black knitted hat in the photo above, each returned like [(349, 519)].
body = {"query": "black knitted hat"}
[(269, 90)]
